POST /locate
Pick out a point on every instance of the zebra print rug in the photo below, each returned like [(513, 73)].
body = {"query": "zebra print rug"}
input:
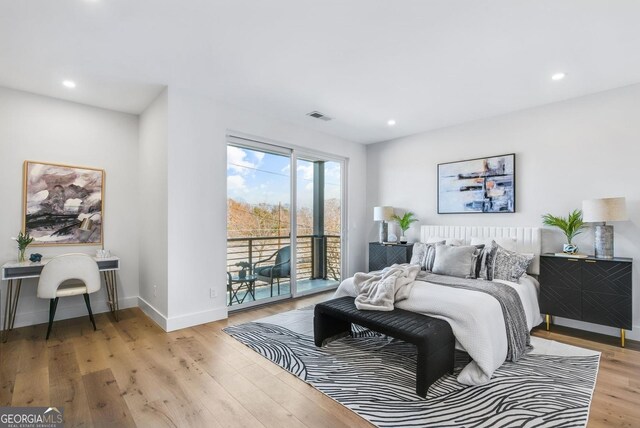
[(374, 376)]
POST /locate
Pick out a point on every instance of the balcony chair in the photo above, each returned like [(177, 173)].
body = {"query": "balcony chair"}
[(281, 267), (68, 275)]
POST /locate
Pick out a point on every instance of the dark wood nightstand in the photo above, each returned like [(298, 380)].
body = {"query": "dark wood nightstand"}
[(383, 255), (588, 289)]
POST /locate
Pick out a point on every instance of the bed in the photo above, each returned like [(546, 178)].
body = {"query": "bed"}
[(476, 318)]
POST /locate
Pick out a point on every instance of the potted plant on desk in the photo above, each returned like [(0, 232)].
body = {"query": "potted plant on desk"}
[(242, 273), (23, 240), (405, 223)]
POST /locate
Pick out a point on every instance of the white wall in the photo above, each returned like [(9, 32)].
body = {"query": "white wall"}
[(566, 152), (165, 202), (197, 198), (44, 129), (152, 206)]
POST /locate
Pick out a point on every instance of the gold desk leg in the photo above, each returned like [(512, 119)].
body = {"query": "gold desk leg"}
[(109, 299), (547, 318), (10, 307), (5, 321), (15, 304), (622, 333), (115, 289), (112, 291)]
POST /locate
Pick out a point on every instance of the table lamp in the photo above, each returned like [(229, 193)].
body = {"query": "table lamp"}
[(602, 211), (383, 215)]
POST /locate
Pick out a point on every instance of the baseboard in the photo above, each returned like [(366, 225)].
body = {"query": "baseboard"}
[(153, 313), (596, 328), (182, 321), (75, 310), (196, 318)]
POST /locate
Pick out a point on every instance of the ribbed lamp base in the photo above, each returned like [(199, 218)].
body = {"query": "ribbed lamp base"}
[(383, 234), (604, 241)]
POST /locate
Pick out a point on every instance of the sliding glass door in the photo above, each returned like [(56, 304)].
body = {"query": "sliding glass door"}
[(284, 222), (318, 224)]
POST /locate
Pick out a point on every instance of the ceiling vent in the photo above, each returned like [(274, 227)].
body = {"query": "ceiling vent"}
[(318, 115)]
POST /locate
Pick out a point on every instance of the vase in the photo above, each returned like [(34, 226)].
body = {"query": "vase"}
[(242, 274), (21, 256), (569, 248), (403, 239)]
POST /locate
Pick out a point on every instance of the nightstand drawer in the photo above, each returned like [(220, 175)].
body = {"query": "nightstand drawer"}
[(381, 256), (607, 277), (397, 254), (561, 273), (563, 302), (606, 309)]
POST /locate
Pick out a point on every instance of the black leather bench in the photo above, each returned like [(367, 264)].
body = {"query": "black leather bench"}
[(433, 338)]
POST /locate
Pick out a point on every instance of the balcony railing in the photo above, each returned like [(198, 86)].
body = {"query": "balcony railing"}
[(318, 257)]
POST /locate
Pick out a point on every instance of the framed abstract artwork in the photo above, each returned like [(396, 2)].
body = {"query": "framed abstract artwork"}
[(483, 185), (56, 200)]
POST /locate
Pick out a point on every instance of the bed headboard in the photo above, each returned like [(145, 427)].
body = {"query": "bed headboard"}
[(528, 239)]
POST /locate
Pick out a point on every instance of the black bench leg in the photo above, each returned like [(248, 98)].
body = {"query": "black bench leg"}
[(325, 326), (431, 367), (422, 382), (452, 365)]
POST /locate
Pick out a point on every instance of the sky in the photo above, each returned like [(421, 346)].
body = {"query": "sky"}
[(258, 177)]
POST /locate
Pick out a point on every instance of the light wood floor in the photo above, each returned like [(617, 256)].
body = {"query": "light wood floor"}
[(132, 373)]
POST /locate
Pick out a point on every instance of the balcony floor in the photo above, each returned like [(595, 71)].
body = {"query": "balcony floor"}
[(263, 291)]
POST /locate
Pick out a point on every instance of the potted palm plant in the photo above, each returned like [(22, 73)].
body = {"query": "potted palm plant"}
[(405, 223), (571, 226)]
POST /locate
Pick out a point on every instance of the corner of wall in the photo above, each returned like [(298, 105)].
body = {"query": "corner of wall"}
[(152, 221), (152, 313)]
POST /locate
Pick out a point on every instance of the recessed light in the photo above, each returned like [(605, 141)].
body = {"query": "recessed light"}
[(558, 76), (69, 83), (391, 122)]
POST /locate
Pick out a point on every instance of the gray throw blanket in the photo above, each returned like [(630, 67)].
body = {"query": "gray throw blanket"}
[(515, 320), (379, 290)]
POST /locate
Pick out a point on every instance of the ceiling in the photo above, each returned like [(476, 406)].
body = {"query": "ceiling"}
[(425, 63)]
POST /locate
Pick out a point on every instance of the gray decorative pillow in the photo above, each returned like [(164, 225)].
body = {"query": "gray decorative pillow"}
[(419, 253), (485, 259), (424, 254), (509, 265), (430, 257), (454, 261), (475, 262)]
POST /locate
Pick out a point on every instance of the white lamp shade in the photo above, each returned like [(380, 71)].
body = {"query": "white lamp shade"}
[(603, 210), (382, 213)]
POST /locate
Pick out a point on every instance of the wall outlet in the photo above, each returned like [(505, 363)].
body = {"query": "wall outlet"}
[(213, 293), (155, 291)]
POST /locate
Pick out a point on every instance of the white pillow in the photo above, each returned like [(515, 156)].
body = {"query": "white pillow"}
[(510, 244), (450, 241)]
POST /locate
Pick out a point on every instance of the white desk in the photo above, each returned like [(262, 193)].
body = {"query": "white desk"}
[(15, 272)]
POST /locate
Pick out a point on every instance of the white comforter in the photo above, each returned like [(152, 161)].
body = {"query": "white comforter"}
[(475, 318)]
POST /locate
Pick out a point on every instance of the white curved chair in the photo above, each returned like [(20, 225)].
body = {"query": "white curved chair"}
[(78, 267)]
